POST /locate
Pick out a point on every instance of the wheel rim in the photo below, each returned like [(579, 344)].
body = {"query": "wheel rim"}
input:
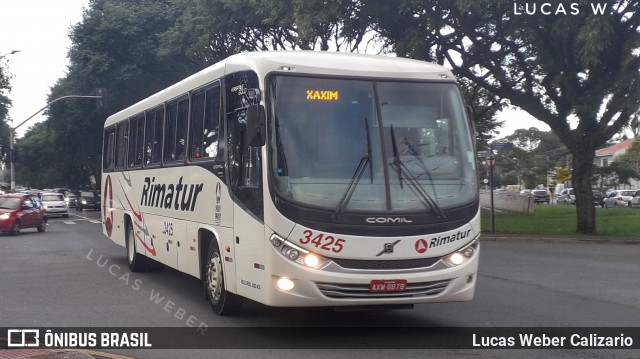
[(214, 277), (16, 227), (131, 248)]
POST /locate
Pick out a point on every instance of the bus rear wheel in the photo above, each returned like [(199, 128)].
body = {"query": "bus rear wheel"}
[(134, 259), (222, 302)]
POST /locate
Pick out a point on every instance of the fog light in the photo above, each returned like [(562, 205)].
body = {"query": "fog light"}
[(291, 253), (285, 283), (276, 241), (456, 258), (469, 252), (311, 260)]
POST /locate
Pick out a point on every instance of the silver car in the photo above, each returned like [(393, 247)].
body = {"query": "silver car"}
[(621, 198), (54, 205), (566, 196)]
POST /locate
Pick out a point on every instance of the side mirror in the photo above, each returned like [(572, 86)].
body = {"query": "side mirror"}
[(255, 133)]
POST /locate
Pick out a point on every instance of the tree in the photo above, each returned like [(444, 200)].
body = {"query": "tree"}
[(613, 175), (560, 67), (116, 47), (5, 103)]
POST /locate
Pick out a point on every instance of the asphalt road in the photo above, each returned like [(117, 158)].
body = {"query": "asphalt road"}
[(73, 276)]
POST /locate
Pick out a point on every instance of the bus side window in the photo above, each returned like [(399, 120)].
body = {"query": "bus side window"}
[(122, 133), (176, 130), (135, 141), (153, 136), (205, 123), (109, 145)]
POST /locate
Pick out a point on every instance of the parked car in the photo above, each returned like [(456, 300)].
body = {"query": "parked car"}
[(525, 192), (19, 211), (540, 196), (598, 198), (71, 199), (635, 200), (621, 198), (566, 196), (54, 204), (88, 200)]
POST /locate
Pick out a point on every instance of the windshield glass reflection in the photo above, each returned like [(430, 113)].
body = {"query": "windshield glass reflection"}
[(363, 146)]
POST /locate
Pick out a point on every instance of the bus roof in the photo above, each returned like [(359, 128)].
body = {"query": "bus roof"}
[(297, 62)]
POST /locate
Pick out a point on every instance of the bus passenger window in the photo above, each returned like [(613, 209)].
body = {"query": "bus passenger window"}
[(122, 132), (176, 130), (109, 146), (205, 120)]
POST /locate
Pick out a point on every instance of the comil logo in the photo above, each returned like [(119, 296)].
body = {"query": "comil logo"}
[(23, 338), (388, 220)]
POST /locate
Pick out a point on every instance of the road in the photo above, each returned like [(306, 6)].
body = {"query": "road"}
[(73, 276)]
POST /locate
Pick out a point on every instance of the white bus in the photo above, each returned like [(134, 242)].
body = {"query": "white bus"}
[(300, 179)]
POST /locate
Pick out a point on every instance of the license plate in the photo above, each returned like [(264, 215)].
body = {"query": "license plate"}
[(394, 285)]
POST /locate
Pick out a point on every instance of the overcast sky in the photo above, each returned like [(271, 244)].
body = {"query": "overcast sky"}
[(40, 30)]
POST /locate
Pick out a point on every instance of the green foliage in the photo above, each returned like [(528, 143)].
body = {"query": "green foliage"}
[(115, 47), (556, 68), (614, 175), (5, 103), (138, 47)]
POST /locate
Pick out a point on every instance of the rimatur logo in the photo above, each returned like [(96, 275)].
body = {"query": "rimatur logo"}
[(23, 338), (421, 246)]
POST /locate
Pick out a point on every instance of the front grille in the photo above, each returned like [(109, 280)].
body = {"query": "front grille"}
[(355, 291), (386, 264)]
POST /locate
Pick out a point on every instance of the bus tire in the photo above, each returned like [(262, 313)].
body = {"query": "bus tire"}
[(134, 259), (222, 302)]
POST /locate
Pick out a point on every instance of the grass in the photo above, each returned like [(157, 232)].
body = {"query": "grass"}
[(559, 220)]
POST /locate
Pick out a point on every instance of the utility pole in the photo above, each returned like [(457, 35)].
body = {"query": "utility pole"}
[(101, 97)]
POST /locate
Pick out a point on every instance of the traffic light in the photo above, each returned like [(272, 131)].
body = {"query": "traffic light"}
[(101, 102)]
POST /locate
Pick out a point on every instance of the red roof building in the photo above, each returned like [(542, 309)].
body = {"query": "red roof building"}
[(608, 154)]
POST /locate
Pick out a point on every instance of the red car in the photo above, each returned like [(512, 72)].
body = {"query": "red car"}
[(19, 211)]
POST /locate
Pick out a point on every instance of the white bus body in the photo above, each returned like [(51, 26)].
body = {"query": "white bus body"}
[(300, 179)]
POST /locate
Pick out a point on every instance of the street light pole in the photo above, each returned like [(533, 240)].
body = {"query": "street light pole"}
[(101, 96), (491, 161)]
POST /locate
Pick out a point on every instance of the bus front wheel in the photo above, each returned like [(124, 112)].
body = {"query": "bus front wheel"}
[(222, 302)]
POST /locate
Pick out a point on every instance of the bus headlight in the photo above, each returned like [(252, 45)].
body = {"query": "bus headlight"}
[(298, 254), (463, 254)]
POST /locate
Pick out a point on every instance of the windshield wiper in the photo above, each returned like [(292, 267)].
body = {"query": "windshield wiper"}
[(414, 185), (351, 187)]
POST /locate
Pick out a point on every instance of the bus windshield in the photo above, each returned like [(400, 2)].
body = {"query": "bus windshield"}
[(365, 146)]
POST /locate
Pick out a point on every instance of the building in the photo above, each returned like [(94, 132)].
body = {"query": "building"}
[(605, 156)]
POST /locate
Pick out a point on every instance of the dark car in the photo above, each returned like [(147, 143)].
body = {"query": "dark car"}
[(598, 198), (19, 211), (88, 200), (71, 199), (540, 196)]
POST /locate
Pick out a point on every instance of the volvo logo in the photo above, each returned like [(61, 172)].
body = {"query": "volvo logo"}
[(388, 248), (388, 220)]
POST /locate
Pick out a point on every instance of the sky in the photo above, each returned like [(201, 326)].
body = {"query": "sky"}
[(40, 30)]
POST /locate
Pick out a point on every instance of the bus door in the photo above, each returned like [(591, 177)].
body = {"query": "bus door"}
[(248, 213)]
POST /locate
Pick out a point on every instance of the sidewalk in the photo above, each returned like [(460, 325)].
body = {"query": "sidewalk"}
[(57, 354)]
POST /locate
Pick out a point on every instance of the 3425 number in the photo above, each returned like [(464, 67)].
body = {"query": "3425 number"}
[(322, 241)]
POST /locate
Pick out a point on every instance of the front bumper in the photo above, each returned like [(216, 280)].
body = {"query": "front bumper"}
[(322, 288)]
